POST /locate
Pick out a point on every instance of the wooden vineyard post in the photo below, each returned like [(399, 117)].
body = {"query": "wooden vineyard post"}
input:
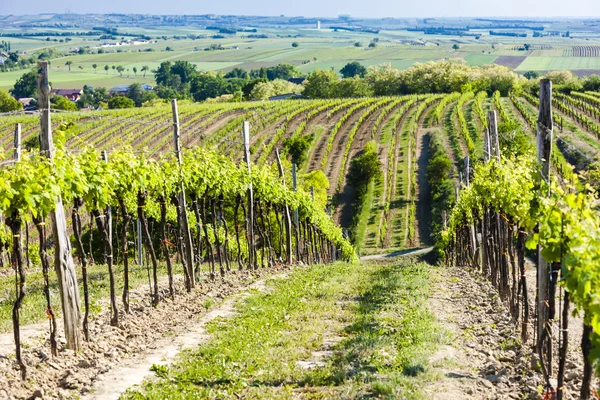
[(108, 209), (63, 259), (251, 250), (294, 186), (544, 150), (286, 215), (486, 142), (17, 154), (187, 236), (493, 141), (140, 247), (473, 234)]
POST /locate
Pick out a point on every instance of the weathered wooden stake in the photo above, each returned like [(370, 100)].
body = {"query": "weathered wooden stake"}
[(17, 154), (494, 143), (187, 236), (296, 222), (286, 215), (109, 208), (544, 150), (251, 251), (63, 259), (140, 245)]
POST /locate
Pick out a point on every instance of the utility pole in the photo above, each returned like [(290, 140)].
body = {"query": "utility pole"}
[(63, 259)]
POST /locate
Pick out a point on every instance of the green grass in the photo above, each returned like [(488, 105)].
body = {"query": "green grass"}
[(362, 220), (75, 79), (558, 63), (480, 59), (378, 310)]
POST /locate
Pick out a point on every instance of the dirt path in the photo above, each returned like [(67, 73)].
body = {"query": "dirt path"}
[(137, 369), (144, 336), (422, 195)]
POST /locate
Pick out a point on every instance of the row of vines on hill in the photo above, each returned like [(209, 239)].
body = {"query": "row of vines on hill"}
[(133, 185), (508, 208)]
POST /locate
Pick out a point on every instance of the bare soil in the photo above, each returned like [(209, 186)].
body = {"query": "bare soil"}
[(140, 334), (485, 360)]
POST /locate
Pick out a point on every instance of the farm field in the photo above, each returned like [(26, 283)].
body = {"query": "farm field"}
[(395, 216), (317, 49)]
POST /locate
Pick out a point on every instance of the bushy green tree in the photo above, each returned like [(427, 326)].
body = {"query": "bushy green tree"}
[(25, 86), (297, 147), (353, 69), (120, 102), (364, 169), (352, 87), (264, 90), (321, 84), (8, 103), (62, 103)]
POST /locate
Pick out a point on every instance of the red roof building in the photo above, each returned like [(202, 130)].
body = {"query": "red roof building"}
[(71, 94)]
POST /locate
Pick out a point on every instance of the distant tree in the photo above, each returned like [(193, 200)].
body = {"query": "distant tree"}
[(93, 97), (113, 67), (320, 84), (526, 46), (456, 46), (352, 87), (134, 71), (353, 69), (209, 85), (69, 63), (62, 103), (364, 169), (106, 68), (136, 93), (120, 102), (297, 147), (81, 50), (372, 45), (120, 70), (295, 44), (237, 73), (94, 66), (168, 48), (145, 69), (376, 40), (8, 103), (531, 75), (80, 66), (25, 86), (592, 83), (357, 44)]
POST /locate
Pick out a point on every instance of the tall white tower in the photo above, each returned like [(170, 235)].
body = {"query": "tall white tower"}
[(318, 24)]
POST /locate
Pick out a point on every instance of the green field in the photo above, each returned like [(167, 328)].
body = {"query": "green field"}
[(559, 63), (317, 49)]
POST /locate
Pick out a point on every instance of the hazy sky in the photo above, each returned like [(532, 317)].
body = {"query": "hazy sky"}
[(309, 8)]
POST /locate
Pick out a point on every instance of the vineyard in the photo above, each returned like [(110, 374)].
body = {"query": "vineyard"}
[(167, 199)]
